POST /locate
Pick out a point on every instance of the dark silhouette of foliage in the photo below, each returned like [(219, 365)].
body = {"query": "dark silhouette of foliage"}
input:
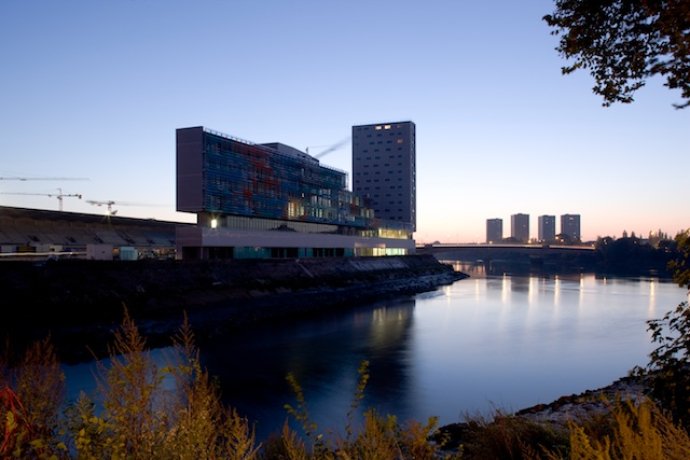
[(632, 255), (624, 42), (669, 362), (681, 264)]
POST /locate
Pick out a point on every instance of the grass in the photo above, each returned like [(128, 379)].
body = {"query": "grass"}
[(175, 412)]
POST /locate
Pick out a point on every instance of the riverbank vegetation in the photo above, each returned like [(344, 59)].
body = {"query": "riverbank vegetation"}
[(633, 255), (143, 411), (175, 411)]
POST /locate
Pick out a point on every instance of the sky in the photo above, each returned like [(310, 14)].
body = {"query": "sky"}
[(95, 89)]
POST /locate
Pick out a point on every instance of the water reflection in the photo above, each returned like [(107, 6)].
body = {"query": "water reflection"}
[(323, 354), (506, 342), (557, 291)]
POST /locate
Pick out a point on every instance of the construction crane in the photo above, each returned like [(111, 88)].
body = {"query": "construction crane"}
[(330, 148), (23, 179), (59, 195), (110, 203)]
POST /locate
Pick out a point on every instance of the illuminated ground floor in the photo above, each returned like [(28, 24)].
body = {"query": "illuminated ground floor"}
[(200, 242)]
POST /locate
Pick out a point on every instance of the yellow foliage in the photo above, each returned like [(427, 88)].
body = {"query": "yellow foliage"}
[(141, 419), (639, 431)]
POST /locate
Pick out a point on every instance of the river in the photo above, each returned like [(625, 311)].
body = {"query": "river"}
[(480, 344)]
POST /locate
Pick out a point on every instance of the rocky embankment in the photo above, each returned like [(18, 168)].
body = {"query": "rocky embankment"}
[(586, 405), (80, 302), (557, 415)]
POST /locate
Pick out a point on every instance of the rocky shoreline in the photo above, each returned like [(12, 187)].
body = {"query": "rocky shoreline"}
[(557, 415), (587, 404)]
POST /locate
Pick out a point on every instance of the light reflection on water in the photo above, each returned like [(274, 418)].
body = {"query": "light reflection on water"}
[(481, 343)]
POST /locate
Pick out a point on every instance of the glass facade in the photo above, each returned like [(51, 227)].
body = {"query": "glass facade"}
[(272, 201), (251, 180)]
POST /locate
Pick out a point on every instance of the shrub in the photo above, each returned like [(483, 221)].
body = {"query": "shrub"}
[(141, 419), (380, 437), (30, 396), (639, 431)]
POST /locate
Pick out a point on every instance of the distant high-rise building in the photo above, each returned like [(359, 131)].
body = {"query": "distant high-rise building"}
[(494, 230), (547, 228), (570, 226), (384, 171), (519, 227)]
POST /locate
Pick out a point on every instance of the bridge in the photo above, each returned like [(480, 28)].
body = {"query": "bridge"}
[(498, 256)]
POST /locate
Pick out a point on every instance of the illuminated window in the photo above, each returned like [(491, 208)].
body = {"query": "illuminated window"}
[(378, 128), (387, 127)]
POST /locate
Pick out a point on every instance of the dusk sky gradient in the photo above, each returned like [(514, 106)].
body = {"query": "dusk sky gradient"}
[(96, 89)]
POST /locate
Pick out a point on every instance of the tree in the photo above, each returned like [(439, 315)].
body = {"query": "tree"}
[(669, 362), (624, 42), (681, 264)]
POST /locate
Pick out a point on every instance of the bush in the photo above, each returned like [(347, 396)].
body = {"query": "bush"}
[(638, 431)]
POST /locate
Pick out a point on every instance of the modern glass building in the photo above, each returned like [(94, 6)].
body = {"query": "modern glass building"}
[(271, 200)]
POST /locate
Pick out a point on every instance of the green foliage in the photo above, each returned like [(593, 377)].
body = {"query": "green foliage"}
[(681, 264), (624, 42), (669, 362)]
